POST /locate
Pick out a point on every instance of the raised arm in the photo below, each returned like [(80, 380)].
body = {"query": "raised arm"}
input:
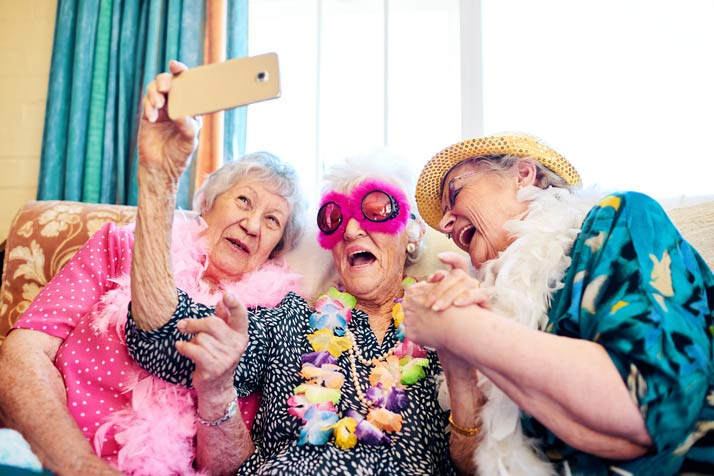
[(165, 147)]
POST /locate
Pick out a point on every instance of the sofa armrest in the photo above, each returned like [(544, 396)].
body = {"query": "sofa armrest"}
[(696, 223), (43, 237)]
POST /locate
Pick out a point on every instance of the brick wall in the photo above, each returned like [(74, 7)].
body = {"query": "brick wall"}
[(26, 33)]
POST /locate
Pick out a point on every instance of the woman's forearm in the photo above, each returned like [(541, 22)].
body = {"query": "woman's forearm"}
[(153, 289), (223, 448), (567, 425), (33, 401), (466, 401), (569, 385)]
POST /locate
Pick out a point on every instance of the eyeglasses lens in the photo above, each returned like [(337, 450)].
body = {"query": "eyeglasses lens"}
[(452, 193), (329, 217), (378, 206)]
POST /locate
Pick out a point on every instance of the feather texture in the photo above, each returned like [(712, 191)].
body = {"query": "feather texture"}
[(524, 278)]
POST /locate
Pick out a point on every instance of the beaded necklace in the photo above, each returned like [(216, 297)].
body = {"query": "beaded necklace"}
[(315, 400)]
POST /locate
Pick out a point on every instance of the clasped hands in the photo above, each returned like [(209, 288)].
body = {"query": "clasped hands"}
[(434, 307)]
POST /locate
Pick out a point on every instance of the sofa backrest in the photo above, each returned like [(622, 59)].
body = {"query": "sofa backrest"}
[(46, 234), (696, 223)]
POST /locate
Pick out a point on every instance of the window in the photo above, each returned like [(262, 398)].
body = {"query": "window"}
[(623, 88), (357, 75)]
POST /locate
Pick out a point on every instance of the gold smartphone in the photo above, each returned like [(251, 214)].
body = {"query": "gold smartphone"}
[(218, 86)]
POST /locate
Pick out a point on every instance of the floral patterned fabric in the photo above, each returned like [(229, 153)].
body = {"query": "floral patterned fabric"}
[(44, 236), (271, 364), (637, 288)]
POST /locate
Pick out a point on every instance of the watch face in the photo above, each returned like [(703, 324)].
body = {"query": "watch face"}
[(231, 409), (228, 413)]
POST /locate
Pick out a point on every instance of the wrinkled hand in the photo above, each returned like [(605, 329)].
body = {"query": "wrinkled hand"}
[(434, 328), (217, 346), (422, 324), (455, 287), (165, 146)]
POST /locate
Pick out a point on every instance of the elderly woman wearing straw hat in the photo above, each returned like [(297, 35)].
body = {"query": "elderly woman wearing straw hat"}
[(593, 336)]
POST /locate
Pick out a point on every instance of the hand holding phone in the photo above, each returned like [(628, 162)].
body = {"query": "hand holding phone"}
[(165, 145), (218, 86)]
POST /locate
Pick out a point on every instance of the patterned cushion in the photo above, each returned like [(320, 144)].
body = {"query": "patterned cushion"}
[(42, 238)]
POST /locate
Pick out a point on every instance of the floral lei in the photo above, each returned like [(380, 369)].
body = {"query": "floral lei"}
[(314, 401)]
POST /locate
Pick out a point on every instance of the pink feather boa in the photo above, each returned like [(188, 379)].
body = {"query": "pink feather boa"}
[(156, 431)]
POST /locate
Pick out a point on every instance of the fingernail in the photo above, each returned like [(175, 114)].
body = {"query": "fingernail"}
[(181, 325), (437, 306)]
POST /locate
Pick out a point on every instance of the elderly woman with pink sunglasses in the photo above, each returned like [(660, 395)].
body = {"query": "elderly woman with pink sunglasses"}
[(343, 391)]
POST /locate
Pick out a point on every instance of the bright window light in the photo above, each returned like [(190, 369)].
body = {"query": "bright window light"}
[(623, 88), (357, 75)]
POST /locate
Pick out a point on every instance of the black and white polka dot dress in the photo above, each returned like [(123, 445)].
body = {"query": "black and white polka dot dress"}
[(271, 365)]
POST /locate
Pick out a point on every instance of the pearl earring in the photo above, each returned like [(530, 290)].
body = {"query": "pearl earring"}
[(411, 248)]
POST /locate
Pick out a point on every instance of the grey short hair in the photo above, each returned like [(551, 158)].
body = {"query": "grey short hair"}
[(344, 176), (265, 167), (502, 163)]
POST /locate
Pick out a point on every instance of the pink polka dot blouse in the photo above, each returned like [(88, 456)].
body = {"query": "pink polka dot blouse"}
[(94, 366)]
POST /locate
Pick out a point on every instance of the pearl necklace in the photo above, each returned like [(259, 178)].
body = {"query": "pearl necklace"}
[(374, 361), (355, 354)]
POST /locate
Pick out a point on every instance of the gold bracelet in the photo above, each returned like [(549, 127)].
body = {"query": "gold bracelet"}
[(462, 430)]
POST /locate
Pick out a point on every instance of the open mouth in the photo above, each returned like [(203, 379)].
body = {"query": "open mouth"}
[(361, 258), (239, 245), (464, 236)]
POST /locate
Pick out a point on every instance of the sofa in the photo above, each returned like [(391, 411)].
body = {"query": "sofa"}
[(45, 234)]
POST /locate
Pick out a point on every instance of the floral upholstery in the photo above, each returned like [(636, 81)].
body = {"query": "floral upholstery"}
[(42, 238)]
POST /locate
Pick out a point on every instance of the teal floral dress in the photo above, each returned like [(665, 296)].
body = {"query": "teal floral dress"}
[(636, 287)]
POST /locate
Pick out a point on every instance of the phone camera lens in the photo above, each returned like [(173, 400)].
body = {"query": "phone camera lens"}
[(261, 77)]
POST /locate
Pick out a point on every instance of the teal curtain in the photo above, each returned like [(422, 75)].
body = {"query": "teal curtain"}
[(105, 53), (236, 47)]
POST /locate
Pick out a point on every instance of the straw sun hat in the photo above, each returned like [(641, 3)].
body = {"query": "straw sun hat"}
[(428, 189)]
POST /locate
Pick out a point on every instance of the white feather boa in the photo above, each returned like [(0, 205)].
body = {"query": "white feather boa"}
[(524, 278)]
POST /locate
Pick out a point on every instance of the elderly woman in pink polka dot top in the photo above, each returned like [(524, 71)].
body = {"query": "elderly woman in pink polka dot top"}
[(66, 380)]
